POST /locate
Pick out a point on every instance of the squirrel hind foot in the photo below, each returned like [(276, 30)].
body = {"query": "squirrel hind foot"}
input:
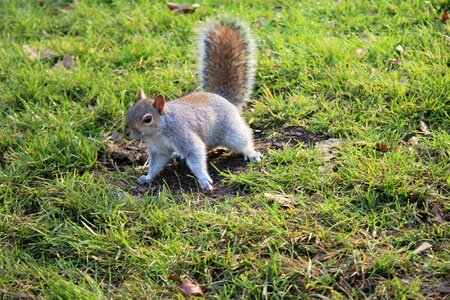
[(253, 157)]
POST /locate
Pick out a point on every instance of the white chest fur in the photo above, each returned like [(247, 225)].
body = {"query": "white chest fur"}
[(160, 143)]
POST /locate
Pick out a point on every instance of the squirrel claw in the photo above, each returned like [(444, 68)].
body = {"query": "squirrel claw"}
[(206, 185), (143, 180), (254, 157)]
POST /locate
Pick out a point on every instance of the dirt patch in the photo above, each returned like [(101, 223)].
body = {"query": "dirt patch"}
[(289, 136), (120, 155)]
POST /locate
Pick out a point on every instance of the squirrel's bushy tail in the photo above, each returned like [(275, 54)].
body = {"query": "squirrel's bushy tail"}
[(227, 59)]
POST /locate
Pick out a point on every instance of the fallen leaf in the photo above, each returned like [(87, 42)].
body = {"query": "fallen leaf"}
[(445, 17), (436, 210), (328, 148), (66, 62), (98, 259), (33, 53), (282, 200), (422, 248), (175, 277), (36, 54), (400, 49), (382, 147), (361, 52), (414, 140), (392, 63), (182, 7), (188, 289), (424, 128)]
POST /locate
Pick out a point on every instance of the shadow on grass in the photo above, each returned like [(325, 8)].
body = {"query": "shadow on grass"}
[(120, 156)]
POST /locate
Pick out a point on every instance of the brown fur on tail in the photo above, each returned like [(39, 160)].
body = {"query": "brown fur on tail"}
[(227, 60)]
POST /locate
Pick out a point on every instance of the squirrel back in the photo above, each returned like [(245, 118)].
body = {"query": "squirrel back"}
[(227, 60)]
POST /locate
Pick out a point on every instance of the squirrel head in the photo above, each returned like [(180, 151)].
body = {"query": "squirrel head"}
[(143, 117)]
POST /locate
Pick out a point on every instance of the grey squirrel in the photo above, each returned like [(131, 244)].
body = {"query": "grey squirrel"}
[(191, 125)]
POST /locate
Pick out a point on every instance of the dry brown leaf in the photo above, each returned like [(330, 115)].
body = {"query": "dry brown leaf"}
[(445, 17), (424, 128), (66, 62), (188, 289), (175, 277), (422, 248), (382, 147), (436, 210), (282, 200), (182, 7)]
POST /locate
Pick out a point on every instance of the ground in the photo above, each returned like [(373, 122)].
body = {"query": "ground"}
[(351, 113)]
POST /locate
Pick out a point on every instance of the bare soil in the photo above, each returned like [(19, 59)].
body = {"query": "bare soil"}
[(121, 154)]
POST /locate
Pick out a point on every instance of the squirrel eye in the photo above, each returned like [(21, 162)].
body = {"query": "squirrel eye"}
[(148, 119)]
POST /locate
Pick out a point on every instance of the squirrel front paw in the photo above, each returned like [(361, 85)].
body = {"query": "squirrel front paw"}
[(144, 180)]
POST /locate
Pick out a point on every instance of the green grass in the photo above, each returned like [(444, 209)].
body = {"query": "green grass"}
[(71, 227)]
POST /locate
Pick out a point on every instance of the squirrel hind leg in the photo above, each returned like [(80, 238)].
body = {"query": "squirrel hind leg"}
[(243, 144)]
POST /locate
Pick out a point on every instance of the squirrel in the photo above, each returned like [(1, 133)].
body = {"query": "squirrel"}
[(191, 125)]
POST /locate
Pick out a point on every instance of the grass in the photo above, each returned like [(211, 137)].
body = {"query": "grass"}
[(72, 227)]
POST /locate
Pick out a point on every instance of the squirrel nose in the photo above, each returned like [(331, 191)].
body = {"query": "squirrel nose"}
[(127, 133)]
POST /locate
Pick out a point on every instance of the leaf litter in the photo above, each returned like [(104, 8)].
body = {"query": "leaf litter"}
[(284, 201), (119, 154), (438, 215), (424, 128), (48, 54), (182, 8), (422, 248), (35, 54), (187, 287), (66, 63)]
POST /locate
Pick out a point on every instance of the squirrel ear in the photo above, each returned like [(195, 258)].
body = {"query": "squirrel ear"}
[(142, 94), (159, 104)]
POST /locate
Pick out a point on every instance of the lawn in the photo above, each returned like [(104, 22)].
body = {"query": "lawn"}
[(351, 111)]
